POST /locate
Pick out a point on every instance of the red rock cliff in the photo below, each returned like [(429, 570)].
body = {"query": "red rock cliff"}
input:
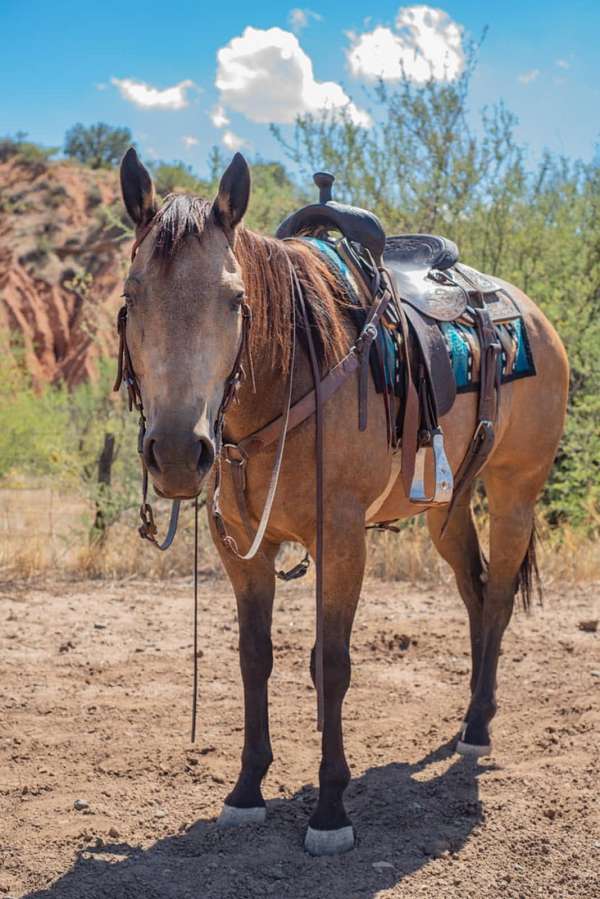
[(63, 247)]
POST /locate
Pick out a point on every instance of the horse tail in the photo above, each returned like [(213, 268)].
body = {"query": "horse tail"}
[(529, 581)]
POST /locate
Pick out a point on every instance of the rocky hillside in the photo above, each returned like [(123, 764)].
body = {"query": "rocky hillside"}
[(63, 246)]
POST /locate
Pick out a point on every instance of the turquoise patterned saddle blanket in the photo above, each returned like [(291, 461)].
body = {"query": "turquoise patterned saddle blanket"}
[(460, 338)]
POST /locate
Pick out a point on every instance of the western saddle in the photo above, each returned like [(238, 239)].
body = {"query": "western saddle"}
[(432, 287)]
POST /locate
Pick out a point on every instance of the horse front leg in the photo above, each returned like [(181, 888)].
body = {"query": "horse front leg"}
[(330, 831), (254, 586)]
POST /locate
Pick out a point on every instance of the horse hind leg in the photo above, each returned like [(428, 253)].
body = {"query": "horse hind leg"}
[(511, 502), (459, 547)]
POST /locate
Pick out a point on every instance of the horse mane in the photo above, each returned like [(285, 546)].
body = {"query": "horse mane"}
[(265, 265)]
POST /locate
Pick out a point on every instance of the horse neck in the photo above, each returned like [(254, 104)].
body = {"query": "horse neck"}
[(256, 407)]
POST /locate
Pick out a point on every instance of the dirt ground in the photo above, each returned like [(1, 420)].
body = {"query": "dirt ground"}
[(95, 691)]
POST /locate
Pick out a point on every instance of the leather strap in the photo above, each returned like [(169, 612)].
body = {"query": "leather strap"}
[(330, 384), (320, 508), (436, 360), (303, 408), (239, 474), (410, 422), (483, 439)]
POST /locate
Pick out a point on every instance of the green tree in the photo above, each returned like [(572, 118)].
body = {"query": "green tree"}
[(274, 195), (99, 146), (422, 166), (173, 177)]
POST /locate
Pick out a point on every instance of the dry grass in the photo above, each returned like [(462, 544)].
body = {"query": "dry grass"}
[(43, 531)]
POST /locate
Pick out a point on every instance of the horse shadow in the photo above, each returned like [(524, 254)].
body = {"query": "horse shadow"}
[(403, 819)]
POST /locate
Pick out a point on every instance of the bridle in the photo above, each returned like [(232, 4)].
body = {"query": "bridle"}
[(126, 374)]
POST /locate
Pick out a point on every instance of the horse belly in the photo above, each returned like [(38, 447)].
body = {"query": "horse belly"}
[(458, 426)]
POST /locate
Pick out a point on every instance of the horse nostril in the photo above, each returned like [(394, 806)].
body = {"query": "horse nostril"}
[(150, 455), (206, 456)]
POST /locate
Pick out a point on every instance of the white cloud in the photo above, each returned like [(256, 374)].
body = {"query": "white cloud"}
[(528, 77), (300, 18), (150, 97), (233, 141), (189, 141), (267, 76), (424, 43), (563, 64), (219, 117)]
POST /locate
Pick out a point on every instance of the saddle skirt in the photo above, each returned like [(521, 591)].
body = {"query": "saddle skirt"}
[(441, 315)]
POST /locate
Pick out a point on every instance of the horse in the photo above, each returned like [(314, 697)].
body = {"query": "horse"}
[(196, 275)]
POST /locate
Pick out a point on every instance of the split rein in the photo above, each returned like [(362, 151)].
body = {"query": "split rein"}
[(238, 455)]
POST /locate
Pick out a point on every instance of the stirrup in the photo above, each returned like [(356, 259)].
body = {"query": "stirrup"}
[(444, 481)]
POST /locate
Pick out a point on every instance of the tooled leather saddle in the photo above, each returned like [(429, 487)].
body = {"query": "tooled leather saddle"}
[(432, 287)]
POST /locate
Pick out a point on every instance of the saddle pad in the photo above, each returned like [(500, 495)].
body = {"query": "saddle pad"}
[(336, 263), (516, 359), (462, 344), (461, 340)]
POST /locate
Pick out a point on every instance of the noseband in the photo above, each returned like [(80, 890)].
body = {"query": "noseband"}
[(126, 375)]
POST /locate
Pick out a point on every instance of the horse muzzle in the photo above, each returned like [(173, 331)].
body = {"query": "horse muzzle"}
[(178, 465)]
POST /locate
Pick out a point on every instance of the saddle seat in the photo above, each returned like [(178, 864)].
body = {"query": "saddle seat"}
[(428, 276)]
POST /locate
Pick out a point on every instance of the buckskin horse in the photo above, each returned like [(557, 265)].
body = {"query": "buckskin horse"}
[(206, 301)]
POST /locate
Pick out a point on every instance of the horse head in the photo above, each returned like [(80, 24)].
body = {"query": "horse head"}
[(185, 320)]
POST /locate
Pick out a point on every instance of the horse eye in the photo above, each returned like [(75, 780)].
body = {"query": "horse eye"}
[(237, 301)]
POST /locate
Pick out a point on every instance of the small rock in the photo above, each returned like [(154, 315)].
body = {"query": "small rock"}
[(114, 833), (80, 804), (382, 866), (590, 626), (99, 843), (550, 813), (160, 813), (595, 673), (436, 848), (99, 627)]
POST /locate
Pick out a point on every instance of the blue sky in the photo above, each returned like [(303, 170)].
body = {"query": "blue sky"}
[(188, 75)]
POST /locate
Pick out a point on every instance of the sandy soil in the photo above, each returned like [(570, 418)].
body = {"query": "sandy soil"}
[(95, 682)]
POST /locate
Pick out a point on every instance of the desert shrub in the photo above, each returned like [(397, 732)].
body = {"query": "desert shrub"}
[(32, 155), (99, 146), (93, 197), (173, 177), (54, 433), (55, 196)]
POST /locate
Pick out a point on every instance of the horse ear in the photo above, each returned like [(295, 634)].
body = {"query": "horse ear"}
[(234, 192), (137, 189)]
